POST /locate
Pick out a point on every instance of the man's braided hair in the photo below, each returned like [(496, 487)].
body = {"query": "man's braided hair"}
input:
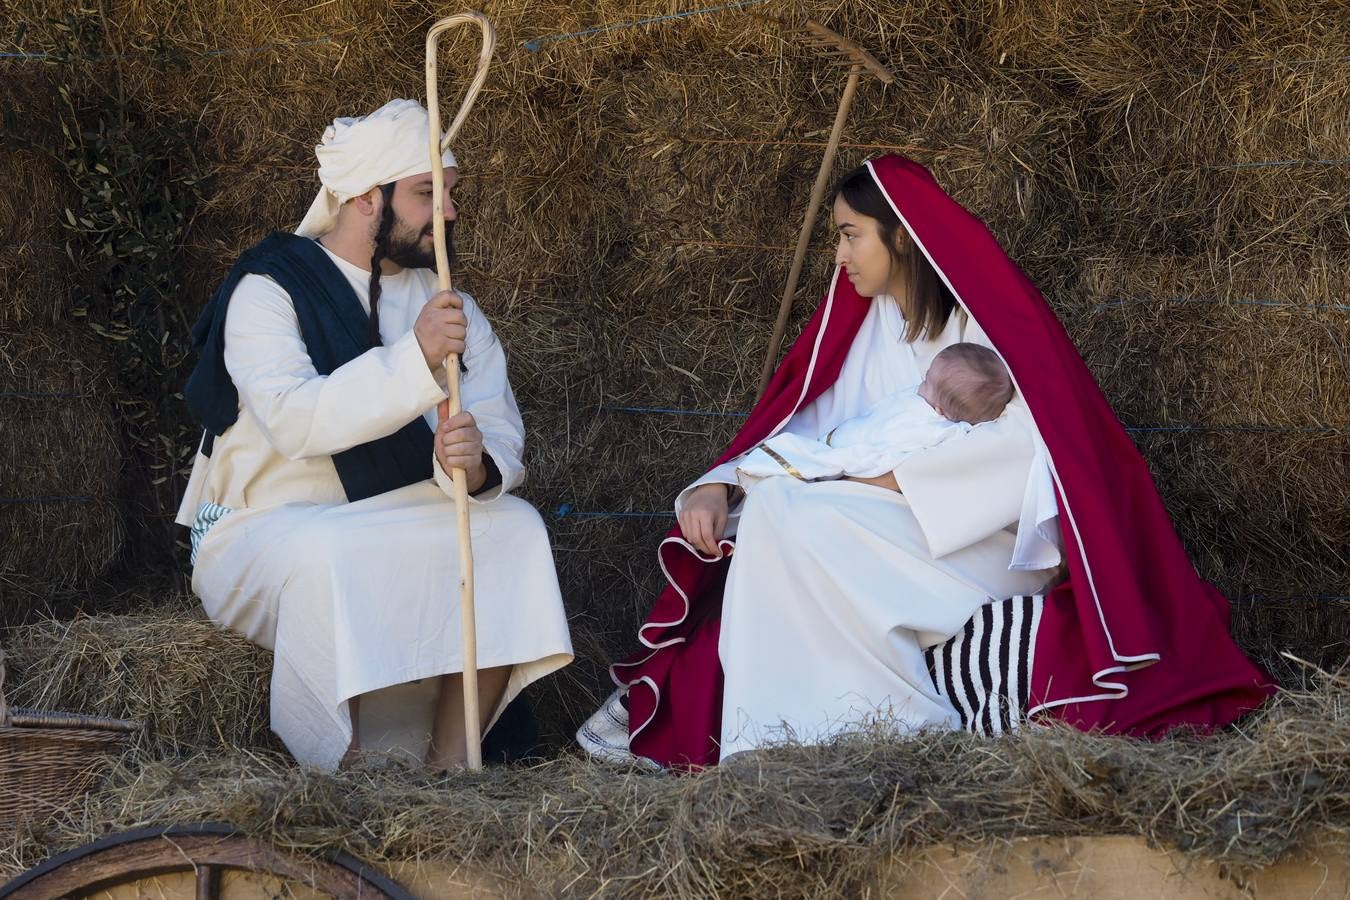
[(381, 251)]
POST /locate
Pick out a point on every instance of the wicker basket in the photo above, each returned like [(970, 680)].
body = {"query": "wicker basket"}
[(49, 759)]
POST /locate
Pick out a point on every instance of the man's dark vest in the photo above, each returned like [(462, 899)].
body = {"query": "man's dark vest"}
[(335, 329)]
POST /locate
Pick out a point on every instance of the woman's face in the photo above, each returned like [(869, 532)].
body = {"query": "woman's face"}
[(863, 252)]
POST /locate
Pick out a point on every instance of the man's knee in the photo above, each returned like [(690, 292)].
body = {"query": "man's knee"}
[(316, 543), (515, 521), (526, 520)]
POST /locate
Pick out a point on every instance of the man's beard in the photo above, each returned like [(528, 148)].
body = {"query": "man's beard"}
[(406, 249)]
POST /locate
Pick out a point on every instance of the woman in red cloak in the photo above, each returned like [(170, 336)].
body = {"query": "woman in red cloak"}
[(937, 595)]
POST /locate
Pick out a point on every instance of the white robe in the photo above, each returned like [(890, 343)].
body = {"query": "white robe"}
[(865, 446), (835, 588), (362, 598)]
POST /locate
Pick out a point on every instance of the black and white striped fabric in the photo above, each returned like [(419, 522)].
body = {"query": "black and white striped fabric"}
[(985, 669)]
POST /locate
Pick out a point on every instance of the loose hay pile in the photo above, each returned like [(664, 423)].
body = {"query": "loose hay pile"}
[(802, 821), (790, 822)]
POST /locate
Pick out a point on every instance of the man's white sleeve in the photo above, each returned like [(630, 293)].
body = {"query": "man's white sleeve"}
[(303, 413)]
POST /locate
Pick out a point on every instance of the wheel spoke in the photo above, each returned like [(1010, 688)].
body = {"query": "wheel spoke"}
[(208, 882)]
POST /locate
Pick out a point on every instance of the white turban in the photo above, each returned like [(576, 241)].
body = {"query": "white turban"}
[(358, 154)]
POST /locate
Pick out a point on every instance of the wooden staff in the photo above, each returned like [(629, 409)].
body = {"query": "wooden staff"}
[(472, 729), (857, 59)]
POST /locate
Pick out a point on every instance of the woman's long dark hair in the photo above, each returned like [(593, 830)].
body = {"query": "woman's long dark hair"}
[(930, 303), (381, 251)]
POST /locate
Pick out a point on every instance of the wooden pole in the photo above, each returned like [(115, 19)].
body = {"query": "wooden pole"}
[(473, 737), (804, 238)]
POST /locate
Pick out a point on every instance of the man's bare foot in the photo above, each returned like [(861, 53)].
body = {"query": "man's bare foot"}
[(444, 762), (350, 757), (354, 748)]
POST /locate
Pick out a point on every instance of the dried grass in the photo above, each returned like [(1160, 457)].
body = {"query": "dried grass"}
[(787, 822)]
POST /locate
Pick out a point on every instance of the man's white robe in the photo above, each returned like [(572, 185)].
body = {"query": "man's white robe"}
[(836, 587), (359, 598)]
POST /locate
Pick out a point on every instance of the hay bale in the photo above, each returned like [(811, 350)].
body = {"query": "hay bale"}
[(37, 274), (60, 523), (1238, 379), (1261, 513), (787, 822), (198, 686), (39, 280), (195, 685), (1236, 373), (1214, 342), (1287, 634), (1194, 81), (1237, 209), (1207, 127), (36, 271)]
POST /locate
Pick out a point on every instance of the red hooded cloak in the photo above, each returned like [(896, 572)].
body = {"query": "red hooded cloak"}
[(1133, 642)]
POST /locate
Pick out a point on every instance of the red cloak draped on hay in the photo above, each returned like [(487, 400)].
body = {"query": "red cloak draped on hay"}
[(1132, 642)]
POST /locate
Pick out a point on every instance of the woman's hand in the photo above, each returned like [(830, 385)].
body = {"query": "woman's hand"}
[(703, 519), (886, 481)]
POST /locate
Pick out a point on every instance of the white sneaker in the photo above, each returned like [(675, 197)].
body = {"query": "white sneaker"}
[(604, 736)]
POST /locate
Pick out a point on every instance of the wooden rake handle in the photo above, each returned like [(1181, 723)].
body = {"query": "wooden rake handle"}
[(859, 62), (438, 143), (804, 235)]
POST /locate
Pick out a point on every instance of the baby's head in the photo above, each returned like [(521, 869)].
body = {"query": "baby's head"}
[(967, 383)]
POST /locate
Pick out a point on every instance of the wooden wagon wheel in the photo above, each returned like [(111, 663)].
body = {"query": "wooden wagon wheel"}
[(208, 849)]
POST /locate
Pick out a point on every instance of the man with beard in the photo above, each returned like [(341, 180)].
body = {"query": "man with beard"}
[(319, 503)]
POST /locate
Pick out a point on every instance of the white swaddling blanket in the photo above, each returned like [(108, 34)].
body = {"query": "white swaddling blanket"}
[(865, 446)]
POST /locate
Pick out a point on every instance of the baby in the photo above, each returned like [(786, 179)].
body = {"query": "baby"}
[(966, 384)]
